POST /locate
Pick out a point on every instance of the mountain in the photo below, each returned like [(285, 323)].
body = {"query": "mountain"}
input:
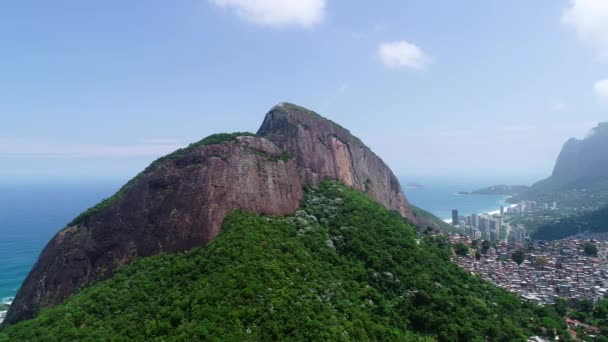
[(180, 201), (502, 189), (580, 164), (593, 222), (429, 220), (343, 267), (579, 181), (583, 162)]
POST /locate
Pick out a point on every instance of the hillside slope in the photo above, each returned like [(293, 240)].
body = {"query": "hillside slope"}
[(581, 165), (427, 219), (180, 201), (342, 268), (587, 223)]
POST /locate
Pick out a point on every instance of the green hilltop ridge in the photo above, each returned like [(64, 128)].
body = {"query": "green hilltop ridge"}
[(342, 268), (593, 222), (433, 220), (214, 139)]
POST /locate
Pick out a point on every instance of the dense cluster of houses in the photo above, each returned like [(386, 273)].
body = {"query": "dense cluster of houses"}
[(550, 269)]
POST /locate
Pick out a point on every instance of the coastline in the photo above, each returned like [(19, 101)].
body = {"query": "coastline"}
[(5, 301), (491, 212)]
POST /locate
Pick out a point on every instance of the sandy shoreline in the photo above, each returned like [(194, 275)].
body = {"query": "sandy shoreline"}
[(490, 213)]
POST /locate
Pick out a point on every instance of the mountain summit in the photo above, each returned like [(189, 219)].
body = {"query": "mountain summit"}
[(581, 163), (180, 201)]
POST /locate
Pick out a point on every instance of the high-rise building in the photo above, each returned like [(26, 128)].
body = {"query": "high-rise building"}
[(520, 233), (484, 224), (493, 236), (476, 234), (470, 231), (502, 210), (493, 224), (475, 220), (455, 218)]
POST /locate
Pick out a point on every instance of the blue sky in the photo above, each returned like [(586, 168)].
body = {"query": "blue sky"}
[(439, 88)]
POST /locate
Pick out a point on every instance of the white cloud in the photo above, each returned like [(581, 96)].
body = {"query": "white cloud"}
[(601, 89), (589, 18), (402, 54), (304, 13)]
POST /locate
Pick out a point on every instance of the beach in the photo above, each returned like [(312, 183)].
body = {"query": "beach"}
[(489, 213)]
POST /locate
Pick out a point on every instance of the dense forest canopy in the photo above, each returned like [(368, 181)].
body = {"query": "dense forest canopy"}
[(342, 268)]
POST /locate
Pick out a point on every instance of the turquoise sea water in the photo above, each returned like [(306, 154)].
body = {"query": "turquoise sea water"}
[(31, 214), (441, 198)]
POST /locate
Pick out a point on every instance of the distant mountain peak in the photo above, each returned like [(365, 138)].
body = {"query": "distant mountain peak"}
[(580, 163)]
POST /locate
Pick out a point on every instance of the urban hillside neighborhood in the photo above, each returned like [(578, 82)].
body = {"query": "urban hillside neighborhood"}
[(500, 247)]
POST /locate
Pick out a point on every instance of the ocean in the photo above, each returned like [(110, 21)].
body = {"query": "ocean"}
[(441, 198), (31, 214)]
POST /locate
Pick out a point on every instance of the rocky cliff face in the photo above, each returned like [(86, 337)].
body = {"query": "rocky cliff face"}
[(581, 163), (323, 149), (180, 201)]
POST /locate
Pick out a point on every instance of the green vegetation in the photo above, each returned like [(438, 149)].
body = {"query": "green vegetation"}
[(539, 262), (519, 256), (213, 139), (294, 107), (433, 220), (485, 246), (590, 222), (284, 156), (595, 315), (590, 249), (342, 268), (104, 203), (461, 249)]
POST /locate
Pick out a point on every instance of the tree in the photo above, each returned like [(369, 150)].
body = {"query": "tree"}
[(585, 305), (518, 256), (600, 311), (590, 249), (485, 246), (561, 307), (540, 262), (461, 249)]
